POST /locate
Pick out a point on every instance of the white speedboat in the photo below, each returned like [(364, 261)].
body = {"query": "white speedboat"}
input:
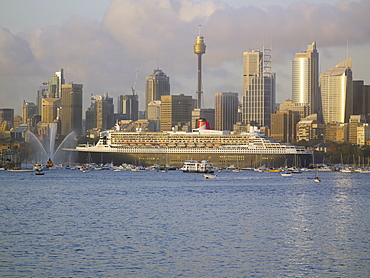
[(210, 176), (286, 174)]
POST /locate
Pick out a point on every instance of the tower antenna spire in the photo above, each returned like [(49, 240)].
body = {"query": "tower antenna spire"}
[(199, 49)]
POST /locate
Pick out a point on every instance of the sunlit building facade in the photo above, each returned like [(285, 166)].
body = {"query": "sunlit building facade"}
[(337, 92), (305, 80)]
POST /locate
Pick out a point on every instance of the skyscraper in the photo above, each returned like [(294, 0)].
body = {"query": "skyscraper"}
[(100, 114), (199, 49), (157, 85), (337, 92), (305, 80), (42, 92), (226, 110), (175, 110), (128, 107), (28, 110), (55, 84), (71, 114), (258, 88), (7, 115), (49, 112)]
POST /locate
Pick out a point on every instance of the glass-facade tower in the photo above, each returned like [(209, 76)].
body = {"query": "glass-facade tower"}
[(258, 88), (336, 86), (305, 80), (157, 85)]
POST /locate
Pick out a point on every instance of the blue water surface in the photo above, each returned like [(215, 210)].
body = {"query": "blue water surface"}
[(154, 224)]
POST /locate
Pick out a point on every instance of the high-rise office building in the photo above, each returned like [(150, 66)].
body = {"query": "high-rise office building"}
[(283, 125), (7, 114), (71, 109), (258, 88), (361, 98), (55, 84), (305, 80), (128, 107), (154, 114), (41, 93), (336, 87), (28, 110), (104, 112), (100, 114), (226, 110), (50, 109), (157, 85), (175, 110)]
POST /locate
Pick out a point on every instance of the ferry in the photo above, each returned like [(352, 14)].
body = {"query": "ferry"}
[(221, 148), (195, 166)]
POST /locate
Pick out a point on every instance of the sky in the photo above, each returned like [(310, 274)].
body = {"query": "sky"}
[(103, 43)]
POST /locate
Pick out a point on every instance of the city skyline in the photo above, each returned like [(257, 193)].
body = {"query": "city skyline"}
[(103, 52)]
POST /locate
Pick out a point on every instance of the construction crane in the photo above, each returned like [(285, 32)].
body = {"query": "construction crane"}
[(133, 88)]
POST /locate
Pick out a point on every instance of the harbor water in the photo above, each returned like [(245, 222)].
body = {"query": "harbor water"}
[(171, 224)]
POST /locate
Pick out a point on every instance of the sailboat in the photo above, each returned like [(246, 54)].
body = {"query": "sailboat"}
[(316, 178)]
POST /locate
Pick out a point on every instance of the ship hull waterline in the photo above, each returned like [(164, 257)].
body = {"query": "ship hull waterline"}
[(177, 159)]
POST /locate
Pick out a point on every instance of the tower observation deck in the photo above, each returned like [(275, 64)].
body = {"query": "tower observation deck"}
[(199, 49)]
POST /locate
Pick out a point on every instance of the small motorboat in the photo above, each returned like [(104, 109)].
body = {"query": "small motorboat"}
[(208, 176), (39, 172), (286, 174), (316, 179)]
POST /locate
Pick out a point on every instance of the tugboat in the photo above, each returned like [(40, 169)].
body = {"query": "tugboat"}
[(49, 164)]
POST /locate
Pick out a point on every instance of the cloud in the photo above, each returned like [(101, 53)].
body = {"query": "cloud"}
[(16, 57), (144, 34)]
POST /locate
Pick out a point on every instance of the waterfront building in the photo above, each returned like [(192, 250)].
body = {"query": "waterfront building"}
[(258, 88), (336, 132), (175, 110), (283, 125), (28, 110), (355, 121), (307, 130), (337, 92), (71, 109), (363, 134), (305, 80), (157, 85), (226, 110), (128, 107)]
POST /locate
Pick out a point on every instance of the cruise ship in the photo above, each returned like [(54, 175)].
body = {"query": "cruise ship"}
[(221, 148)]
